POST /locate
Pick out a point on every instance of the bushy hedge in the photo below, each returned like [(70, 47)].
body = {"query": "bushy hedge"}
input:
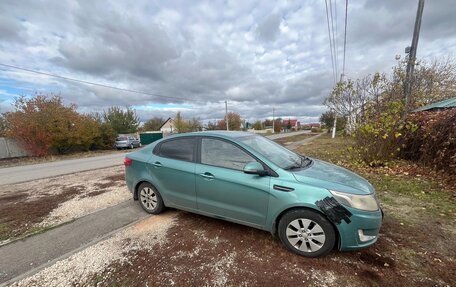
[(434, 142), (379, 137), (45, 125)]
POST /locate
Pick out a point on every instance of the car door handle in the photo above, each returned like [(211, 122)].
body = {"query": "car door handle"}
[(282, 188), (157, 164), (207, 175)]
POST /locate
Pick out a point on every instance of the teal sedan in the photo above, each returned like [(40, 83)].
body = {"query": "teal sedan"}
[(313, 206)]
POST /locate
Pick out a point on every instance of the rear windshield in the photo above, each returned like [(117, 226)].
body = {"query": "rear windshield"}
[(121, 139)]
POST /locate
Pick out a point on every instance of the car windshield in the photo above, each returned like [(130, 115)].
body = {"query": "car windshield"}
[(274, 152), (121, 139)]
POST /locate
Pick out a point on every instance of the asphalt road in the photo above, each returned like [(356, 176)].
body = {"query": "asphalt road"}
[(10, 175)]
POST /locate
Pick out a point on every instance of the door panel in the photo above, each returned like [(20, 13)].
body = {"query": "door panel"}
[(173, 169), (232, 194), (223, 189), (175, 180)]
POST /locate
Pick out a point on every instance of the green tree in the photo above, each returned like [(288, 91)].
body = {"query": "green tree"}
[(327, 118), (257, 125), (194, 125), (123, 121), (180, 124), (153, 124), (106, 135)]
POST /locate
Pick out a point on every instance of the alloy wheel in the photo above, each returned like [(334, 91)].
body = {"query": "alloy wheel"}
[(305, 235), (148, 198)]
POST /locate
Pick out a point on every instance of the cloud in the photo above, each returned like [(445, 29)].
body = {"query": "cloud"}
[(11, 29), (268, 29), (257, 55)]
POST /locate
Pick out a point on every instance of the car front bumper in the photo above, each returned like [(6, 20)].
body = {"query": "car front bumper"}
[(362, 231)]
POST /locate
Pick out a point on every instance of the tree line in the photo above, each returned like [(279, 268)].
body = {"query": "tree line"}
[(44, 124)]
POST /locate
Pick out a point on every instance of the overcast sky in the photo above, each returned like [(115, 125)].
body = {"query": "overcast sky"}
[(255, 54)]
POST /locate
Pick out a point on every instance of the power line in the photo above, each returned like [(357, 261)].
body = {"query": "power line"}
[(345, 39), (92, 83), (330, 43), (334, 39)]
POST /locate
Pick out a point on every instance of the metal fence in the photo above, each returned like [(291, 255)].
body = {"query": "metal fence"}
[(9, 148)]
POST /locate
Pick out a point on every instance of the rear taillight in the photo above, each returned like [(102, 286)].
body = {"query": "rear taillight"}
[(128, 161)]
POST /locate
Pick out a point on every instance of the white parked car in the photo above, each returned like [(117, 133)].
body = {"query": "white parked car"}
[(127, 142)]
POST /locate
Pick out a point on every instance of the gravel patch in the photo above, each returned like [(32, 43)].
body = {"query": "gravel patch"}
[(79, 269), (29, 207), (81, 205)]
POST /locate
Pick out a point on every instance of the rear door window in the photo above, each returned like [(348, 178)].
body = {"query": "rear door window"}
[(181, 149)]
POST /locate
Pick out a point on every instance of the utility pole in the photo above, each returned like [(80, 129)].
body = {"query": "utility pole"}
[(226, 116), (273, 121), (412, 56)]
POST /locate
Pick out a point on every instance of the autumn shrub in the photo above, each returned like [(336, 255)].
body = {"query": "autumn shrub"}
[(378, 139), (44, 125), (434, 141), (105, 138)]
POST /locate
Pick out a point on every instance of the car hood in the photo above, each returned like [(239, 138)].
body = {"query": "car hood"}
[(326, 175)]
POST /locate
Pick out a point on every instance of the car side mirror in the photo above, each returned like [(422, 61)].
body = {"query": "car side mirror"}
[(255, 168)]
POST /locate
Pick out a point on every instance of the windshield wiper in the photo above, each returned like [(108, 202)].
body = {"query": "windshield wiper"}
[(305, 162), (294, 166)]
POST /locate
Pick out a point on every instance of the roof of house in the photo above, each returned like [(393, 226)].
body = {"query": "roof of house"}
[(293, 122), (169, 119), (445, 104)]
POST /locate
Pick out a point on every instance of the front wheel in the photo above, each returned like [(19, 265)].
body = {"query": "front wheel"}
[(150, 199), (306, 233)]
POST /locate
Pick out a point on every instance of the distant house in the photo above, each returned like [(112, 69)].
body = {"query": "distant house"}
[(168, 126), (314, 125), (295, 124), (442, 105)]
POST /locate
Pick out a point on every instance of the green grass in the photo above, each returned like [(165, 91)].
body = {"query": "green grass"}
[(427, 193)]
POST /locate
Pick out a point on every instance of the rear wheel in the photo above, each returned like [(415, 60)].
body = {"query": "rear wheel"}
[(150, 199), (306, 233)]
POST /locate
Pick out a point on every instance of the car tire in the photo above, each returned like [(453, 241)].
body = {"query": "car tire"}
[(306, 233), (150, 199), (131, 146)]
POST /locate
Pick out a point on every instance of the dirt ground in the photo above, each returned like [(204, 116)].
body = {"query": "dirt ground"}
[(32, 207), (183, 249), (207, 252)]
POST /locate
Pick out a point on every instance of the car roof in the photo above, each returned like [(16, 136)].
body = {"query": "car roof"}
[(217, 133)]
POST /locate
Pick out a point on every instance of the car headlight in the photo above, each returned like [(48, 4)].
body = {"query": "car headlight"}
[(363, 202)]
